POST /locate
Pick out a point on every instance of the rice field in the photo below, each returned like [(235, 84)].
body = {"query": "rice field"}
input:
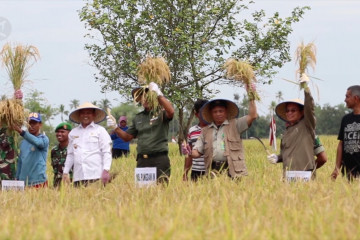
[(260, 206)]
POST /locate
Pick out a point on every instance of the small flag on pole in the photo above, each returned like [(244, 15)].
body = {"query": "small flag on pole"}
[(272, 134)]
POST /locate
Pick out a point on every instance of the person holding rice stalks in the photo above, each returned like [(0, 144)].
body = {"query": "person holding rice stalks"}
[(298, 141), (348, 150), (31, 166), (220, 142), (7, 148), (151, 126), (89, 149)]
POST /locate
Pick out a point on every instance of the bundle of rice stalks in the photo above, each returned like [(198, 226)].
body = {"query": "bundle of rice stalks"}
[(17, 61), (243, 72), (12, 113), (154, 70), (151, 70), (305, 56)]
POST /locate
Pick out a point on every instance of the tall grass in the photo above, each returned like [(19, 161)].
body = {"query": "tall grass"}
[(260, 206)]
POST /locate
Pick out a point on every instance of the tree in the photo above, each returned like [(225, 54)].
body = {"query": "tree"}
[(279, 96), (105, 104), (74, 104), (195, 37), (62, 111)]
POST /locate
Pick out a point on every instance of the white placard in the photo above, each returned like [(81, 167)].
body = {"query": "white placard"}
[(7, 185), (295, 176), (145, 176)]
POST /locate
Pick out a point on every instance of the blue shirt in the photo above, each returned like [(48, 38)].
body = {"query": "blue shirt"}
[(118, 143), (31, 166)]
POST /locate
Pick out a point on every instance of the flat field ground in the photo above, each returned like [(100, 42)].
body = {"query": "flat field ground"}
[(259, 206)]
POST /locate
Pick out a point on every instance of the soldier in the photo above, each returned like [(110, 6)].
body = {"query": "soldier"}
[(59, 152)]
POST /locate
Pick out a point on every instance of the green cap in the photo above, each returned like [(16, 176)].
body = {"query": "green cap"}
[(64, 125)]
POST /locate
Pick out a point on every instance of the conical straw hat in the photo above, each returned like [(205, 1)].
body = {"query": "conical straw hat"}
[(100, 114), (280, 109), (232, 109)]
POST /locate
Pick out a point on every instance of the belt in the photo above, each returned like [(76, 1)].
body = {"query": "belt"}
[(151, 155)]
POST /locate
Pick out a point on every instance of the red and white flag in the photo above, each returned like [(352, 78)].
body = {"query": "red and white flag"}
[(272, 134)]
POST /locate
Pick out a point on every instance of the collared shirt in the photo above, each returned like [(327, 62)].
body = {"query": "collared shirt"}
[(219, 137), (151, 132), (31, 166), (89, 151)]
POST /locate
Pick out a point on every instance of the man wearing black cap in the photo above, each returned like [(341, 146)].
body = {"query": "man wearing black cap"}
[(59, 152), (220, 141)]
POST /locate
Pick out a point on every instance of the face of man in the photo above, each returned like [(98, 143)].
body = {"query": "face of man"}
[(219, 114), (293, 113), (62, 135), (34, 127), (350, 99), (86, 116)]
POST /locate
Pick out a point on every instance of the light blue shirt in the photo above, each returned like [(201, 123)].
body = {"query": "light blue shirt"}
[(31, 166)]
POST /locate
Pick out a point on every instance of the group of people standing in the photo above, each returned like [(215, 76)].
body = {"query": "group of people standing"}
[(84, 154)]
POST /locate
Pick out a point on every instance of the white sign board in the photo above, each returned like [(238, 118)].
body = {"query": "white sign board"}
[(145, 176), (7, 185), (295, 176)]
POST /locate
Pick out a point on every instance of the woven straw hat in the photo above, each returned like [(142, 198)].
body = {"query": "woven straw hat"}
[(280, 109), (232, 109), (100, 114)]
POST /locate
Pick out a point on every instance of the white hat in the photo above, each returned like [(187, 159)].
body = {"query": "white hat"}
[(100, 114), (280, 109)]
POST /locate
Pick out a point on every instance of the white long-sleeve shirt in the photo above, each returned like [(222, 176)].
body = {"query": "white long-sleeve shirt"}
[(89, 151)]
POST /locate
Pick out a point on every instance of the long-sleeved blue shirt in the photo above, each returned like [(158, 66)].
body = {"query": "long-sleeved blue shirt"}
[(31, 166), (118, 143)]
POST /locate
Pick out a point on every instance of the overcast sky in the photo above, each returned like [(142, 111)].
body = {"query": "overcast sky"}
[(64, 73)]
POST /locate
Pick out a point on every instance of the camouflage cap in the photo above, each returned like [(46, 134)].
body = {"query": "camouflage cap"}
[(63, 125)]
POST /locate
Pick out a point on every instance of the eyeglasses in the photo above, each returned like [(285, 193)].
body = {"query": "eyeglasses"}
[(291, 110)]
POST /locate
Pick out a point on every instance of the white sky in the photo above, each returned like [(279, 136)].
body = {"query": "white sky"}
[(63, 73)]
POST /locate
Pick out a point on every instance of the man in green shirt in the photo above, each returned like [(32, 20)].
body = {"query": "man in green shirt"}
[(151, 130), (59, 152)]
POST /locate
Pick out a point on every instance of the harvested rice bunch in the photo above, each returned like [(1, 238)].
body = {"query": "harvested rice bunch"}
[(12, 112), (243, 72), (306, 57), (151, 70)]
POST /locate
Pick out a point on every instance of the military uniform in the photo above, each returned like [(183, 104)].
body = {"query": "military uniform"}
[(7, 156), (58, 157)]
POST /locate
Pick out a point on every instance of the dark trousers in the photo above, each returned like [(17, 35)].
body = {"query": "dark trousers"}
[(159, 160), (84, 183), (195, 175), (117, 153)]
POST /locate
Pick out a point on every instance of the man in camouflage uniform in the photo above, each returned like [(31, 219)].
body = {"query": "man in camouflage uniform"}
[(59, 152), (7, 156)]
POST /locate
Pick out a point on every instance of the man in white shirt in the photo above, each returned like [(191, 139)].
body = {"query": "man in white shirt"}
[(89, 149)]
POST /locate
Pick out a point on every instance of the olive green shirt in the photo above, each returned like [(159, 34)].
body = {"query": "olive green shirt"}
[(151, 132)]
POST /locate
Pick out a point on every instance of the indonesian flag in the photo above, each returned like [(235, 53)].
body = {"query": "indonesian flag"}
[(272, 133)]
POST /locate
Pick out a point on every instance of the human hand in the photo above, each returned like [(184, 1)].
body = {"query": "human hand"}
[(105, 176), (18, 94), (111, 122), (250, 87), (304, 78), (185, 149), (273, 158), (334, 174), (155, 88), (66, 178), (185, 177)]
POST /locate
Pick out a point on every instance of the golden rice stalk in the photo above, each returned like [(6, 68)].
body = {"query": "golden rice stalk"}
[(12, 113), (243, 72), (144, 95), (154, 70), (306, 57), (17, 61)]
